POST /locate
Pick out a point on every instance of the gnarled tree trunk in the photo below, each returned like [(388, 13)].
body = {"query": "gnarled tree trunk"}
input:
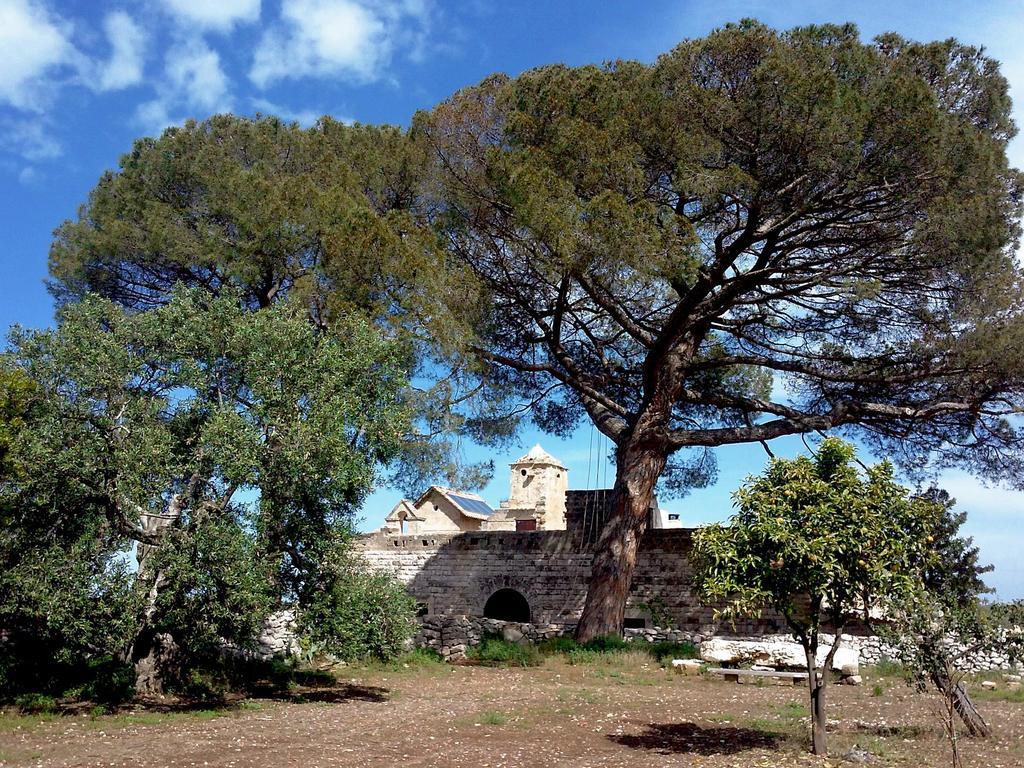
[(638, 467), (151, 652), (962, 704)]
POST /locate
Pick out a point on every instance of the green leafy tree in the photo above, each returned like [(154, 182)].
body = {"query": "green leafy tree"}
[(953, 571), (762, 234), (819, 542), (154, 427), (330, 217)]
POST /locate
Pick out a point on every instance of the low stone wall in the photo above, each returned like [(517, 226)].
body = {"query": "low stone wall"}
[(452, 636), (874, 650)]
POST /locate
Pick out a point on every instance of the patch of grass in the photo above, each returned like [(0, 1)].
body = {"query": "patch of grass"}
[(501, 652), (621, 658), (581, 695), (420, 659), (887, 668), (793, 711), (877, 690), (13, 721), (127, 719), (1002, 693), (493, 717)]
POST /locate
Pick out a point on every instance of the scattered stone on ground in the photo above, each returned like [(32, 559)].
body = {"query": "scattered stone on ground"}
[(628, 714)]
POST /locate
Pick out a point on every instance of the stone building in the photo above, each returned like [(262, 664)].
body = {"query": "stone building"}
[(536, 502), (529, 560), (537, 486), (438, 510)]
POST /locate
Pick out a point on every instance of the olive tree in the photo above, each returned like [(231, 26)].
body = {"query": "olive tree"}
[(219, 443), (819, 542)]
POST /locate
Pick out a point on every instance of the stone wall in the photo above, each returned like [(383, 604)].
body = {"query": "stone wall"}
[(453, 636), (455, 574)]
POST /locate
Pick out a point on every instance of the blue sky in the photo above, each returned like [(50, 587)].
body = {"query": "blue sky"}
[(80, 79)]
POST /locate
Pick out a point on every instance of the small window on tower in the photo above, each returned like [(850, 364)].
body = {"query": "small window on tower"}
[(522, 472), (673, 516)]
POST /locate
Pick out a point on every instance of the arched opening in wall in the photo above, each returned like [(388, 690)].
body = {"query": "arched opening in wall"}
[(507, 605)]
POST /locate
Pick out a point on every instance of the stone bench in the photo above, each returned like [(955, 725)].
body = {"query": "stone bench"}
[(734, 675)]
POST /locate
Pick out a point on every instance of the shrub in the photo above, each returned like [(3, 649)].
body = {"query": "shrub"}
[(556, 645), (36, 704), (498, 651), (669, 650), (360, 614), (607, 643)]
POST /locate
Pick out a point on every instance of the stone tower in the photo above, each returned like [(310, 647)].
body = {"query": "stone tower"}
[(539, 482)]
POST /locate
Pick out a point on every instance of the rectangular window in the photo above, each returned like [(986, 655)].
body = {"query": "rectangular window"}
[(634, 623), (526, 525)]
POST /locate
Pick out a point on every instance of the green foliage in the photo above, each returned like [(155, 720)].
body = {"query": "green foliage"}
[(813, 538), (935, 636), (332, 218), (354, 613), (671, 650), (16, 395), (36, 704), (494, 649), (658, 610), (221, 444), (665, 274), (217, 588), (816, 540), (953, 570), (64, 608)]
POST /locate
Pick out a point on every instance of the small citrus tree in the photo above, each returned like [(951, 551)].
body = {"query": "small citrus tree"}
[(816, 540)]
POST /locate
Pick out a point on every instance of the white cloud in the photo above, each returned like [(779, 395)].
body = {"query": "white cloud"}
[(194, 85), (337, 38), (194, 70), (29, 138), (304, 117), (219, 15), (33, 47), (28, 176), (127, 42)]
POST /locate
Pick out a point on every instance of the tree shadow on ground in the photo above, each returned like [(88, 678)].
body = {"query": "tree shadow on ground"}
[(684, 738), (332, 694)]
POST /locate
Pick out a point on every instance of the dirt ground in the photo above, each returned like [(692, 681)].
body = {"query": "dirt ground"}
[(624, 712)]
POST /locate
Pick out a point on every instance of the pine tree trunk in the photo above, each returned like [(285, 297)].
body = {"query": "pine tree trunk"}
[(636, 474)]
